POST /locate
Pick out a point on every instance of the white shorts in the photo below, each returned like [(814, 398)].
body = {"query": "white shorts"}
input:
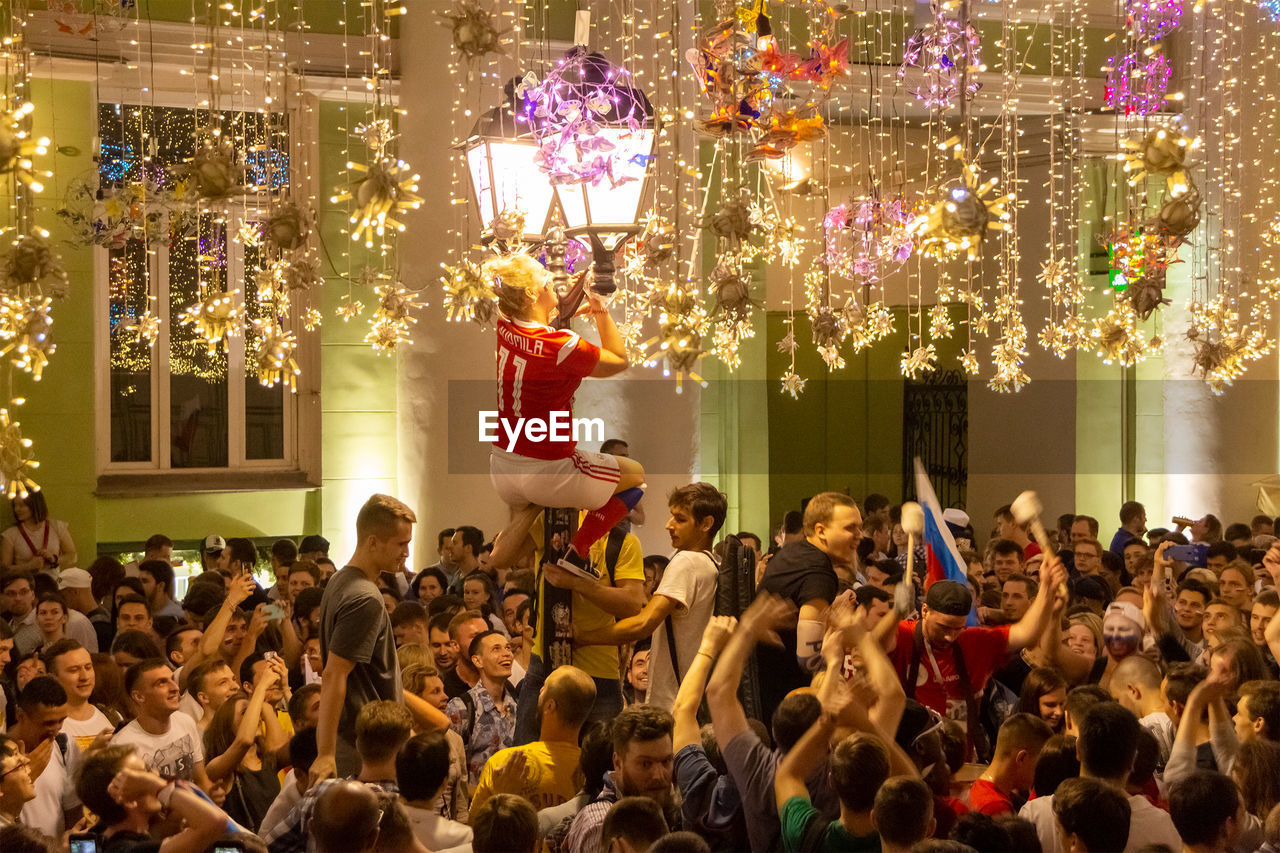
[(585, 480)]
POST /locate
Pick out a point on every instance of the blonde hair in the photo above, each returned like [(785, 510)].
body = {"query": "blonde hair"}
[(517, 279), (822, 507), (381, 515)]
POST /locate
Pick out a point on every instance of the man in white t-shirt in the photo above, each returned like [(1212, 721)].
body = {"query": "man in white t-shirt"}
[(70, 663), (166, 739), (42, 706), (684, 600)]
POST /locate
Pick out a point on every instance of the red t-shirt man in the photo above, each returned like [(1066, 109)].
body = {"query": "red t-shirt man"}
[(985, 797), (938, 683)]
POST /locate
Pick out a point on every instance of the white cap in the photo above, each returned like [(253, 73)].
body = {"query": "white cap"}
[(958, 517), (75, 579)]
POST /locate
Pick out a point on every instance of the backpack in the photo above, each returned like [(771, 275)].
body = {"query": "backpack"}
[(735, 590)]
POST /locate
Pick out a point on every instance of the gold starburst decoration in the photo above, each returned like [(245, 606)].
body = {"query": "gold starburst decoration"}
[(1223, 346), (392, 319), (828, 331), (682, 322), (312, 319), (792, 383), (273, 354), (376, 134), (386, 189), (25, 326), (969, 362), (29, 261), (1117, 336), (214, 318), (940, 325), (917, 361), (962, 213), (468, 293), (17, 147), (475, 30), (1161, 152), (350, 308), (16, 459)]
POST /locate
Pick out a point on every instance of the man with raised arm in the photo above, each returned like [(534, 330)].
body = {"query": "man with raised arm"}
[(539, 370)]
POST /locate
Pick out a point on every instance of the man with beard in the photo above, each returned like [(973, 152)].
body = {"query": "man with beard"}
[(551, 760), (642, 762), (945, 665)]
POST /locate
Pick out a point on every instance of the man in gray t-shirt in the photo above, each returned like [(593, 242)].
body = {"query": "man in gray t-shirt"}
[(357, 645)]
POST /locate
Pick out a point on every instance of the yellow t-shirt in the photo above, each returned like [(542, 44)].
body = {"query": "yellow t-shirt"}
[(596, 661), (552, 775)]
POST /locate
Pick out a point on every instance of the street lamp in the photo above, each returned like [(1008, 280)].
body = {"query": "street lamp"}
[(525, 155), (504, 176)]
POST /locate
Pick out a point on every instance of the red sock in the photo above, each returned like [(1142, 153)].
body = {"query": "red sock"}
[(597, 523)]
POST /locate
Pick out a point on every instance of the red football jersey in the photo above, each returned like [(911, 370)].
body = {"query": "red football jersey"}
[(539, 370)]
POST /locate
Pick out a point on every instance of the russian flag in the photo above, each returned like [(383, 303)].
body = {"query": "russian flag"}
[(941, 554)]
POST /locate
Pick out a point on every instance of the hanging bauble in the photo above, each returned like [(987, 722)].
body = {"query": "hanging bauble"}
[(287, 227)]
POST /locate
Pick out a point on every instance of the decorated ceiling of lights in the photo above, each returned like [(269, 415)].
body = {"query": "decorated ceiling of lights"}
[(867, 154)]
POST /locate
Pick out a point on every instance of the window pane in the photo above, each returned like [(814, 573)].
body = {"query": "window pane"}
[(263, 407), (197, 380), (130, 355)]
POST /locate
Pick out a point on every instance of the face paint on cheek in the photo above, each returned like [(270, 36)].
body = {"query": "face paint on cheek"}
[(1121, 642)]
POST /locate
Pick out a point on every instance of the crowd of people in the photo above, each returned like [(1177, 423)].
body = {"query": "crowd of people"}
[(1085, 698)]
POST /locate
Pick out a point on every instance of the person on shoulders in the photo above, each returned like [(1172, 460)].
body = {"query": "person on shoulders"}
[(684, 600)]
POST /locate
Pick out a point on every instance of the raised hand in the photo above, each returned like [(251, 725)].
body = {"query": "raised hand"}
[(514, 776), (242, 586), (716, 634), (765, 615)]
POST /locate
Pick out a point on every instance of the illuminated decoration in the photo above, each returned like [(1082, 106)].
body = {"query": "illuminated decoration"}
[(475, 30), (1137, 82), (733, 222), (287, 227), (392, 318), (1271, 8), (1161, 152), (959, 218), (143, 329), (1222, 345), (293, 274), (17, 147), (215, 173), (16, 459), (949, 53), (792, 383), (214, 318), (29, 261), (386, 190), (469, 295), (657, 244), (682, 322), (596, 136), (1118, 338), (349, 308), (24, 333), (940, 325), (917, 361), (1152, 20), (273, 354), (869, 238)]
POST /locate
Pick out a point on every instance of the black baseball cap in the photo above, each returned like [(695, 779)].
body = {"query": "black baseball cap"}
[(950, 597)]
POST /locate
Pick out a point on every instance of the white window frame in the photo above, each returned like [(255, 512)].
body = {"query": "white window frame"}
[(301, 410)]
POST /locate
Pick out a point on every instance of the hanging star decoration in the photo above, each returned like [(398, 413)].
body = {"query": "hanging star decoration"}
[(16, 459), (1118, 338), (295, 274), (969, 362), (386, 190), (29, 261), (787, 343), (792, 383), (682, 322), (959, 218), (475, 30), (917, 361), (214, 318), (349, 308), (24, 333), (940, 325), (377, 134), (1163, 152), (143, 329), (17, 147), (214, 174), (287, 227), (731, 286), (469, 294), (732, 222), (273, 354), (828, 331), (392, 319), (1222, 345)]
